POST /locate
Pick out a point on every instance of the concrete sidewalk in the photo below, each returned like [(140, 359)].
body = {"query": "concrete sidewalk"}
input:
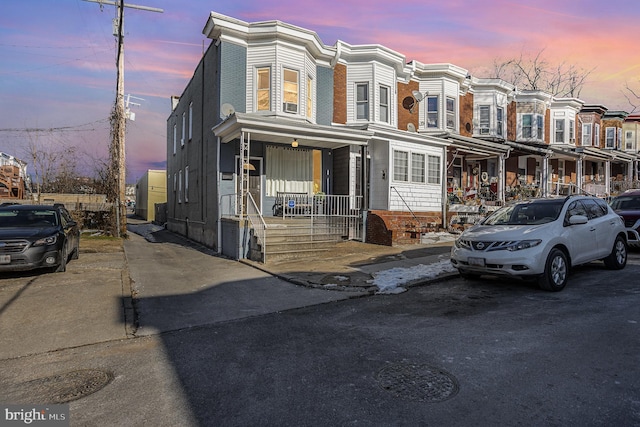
[(353, 267)]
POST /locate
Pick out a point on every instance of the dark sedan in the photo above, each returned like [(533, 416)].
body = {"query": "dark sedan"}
[(37, 236)]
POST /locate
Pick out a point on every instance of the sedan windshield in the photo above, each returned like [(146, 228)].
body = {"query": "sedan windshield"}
[(32, 218), (626, 202), (533, 213)]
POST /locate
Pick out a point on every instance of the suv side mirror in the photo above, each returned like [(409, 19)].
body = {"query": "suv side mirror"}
[(578, 219)]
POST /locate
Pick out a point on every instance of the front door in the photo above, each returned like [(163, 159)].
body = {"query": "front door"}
[(252, 173)]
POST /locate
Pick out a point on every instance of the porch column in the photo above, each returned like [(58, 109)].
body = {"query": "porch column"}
[(501, 178), (545, 176), (630, 170), (579, 173), (607, 177)]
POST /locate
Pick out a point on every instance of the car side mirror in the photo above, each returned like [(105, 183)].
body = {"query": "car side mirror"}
[(578, 219), (71, 224)]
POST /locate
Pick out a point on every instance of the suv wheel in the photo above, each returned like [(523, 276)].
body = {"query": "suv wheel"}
[(617, 259), (556, 272)]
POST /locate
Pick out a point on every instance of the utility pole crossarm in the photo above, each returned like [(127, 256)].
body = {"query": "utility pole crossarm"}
[(132, 6)]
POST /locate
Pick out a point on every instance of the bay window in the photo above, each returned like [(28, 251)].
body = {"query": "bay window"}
[(263, 89), (290, 91), (362, 101)]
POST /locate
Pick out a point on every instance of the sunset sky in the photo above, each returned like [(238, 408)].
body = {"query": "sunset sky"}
[(58, 71)]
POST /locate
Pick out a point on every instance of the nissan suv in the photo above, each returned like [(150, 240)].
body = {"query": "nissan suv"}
[(542, 239)]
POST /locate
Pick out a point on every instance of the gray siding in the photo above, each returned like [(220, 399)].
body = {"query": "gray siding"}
[(324, 97), (233, 81)]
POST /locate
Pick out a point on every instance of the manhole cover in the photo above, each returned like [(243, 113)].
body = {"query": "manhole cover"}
[(418, 382), (65, 387)]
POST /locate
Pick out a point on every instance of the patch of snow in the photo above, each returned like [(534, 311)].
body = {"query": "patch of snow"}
[(391, 281)]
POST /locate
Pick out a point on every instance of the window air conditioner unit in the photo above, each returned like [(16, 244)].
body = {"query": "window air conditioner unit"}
[(484, 131), (290, 107)]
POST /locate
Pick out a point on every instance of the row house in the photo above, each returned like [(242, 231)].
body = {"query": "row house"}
[(275, 122)]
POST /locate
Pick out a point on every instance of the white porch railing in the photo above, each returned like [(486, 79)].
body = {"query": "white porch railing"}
[(258, 224)]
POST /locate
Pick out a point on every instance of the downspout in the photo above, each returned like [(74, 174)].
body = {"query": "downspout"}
[(218, 210), (443, 174)]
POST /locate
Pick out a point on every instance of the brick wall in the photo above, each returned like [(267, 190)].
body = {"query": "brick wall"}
[(466, 115), (404, 116), (340, 94), (512, 124), (391, 228)]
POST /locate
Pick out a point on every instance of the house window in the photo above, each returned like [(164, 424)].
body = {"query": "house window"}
[(500, 121), (610, 138), (417, 168), (540, 123), (619, 139), (628, 140), (586, 134), (451, 113), (186, 184), (597, 139), (572, 131), (264, 89), (432, 112), (184, 128), (175, 138), (559, 131), (362, 101), (190, 121), (290, 91), (384, 104), (485, 119), (180, 186), (527, 129), (309, 97), (434, 170), (400, 166)]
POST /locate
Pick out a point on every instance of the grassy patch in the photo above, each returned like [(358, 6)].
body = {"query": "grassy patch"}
[(100, 243)]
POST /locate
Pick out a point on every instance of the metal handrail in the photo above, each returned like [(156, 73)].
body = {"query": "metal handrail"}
[(258, 224)]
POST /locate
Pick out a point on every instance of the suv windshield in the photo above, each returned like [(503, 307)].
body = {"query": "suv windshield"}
[(31, 218), (532, 213)]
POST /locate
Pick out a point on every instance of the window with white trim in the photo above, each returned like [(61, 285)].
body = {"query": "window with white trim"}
[(559, 135), (432, 111), (309, 97), (451, 113), (263, 89), (180, 186), (433, 169), (610, 138), (190, 121), (527, 125), (540, 127), (362, 101), (184, 128), (619, 144), (290, 91), (586, 135), (384, 104), (400, 166), (628, 140), (186, 184), (572, 131), (175, 138), (500, 121), (597, 138), (417, 168), (484, 122)]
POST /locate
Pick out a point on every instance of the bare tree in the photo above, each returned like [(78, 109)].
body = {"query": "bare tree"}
[(632, 95), (536, 73)]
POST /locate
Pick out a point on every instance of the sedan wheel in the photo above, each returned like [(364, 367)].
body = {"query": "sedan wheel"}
[(556, 272), (617, 259)]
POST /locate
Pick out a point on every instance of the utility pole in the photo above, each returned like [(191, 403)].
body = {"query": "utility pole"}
[(117, 168)]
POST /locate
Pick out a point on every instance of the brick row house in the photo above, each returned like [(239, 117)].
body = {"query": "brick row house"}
[(273, 120)]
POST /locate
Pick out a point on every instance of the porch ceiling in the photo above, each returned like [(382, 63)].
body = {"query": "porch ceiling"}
[(284, 131)]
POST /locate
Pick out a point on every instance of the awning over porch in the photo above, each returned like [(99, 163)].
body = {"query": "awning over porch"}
[(283, 131), (478, 148)]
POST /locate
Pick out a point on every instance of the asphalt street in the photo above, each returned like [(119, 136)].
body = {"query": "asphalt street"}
[(213, 342)]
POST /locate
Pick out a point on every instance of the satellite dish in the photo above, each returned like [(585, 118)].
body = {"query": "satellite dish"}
[(417, 95), (411, 127), (226, 110)]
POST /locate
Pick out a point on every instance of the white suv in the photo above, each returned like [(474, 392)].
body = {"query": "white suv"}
[(543, 239)]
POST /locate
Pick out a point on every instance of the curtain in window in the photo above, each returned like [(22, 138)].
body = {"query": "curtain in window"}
[(288, 169)]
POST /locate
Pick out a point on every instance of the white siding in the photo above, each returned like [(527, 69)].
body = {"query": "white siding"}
[(385, 76), (442, 88), (257, 57), (358, 73)]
